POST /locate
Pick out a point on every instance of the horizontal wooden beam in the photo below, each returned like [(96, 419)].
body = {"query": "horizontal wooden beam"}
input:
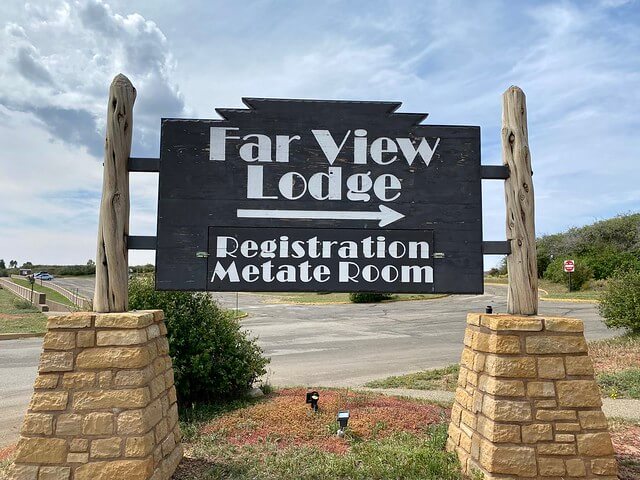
[(140, 164), (494, 172), (496, 248), (141, 243)]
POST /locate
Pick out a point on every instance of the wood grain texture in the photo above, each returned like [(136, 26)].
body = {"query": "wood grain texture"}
[(195, 193), (522, 297), (112, 256)]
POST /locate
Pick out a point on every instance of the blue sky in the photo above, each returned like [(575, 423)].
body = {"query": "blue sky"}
[(578, 62)]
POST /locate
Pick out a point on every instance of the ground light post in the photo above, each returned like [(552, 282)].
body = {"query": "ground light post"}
[(32, 280)]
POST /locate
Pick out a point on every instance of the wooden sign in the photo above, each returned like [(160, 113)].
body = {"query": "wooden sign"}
[(299, 195)]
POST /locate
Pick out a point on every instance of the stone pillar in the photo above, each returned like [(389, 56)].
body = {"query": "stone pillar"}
[(527, 405), (104, 403)]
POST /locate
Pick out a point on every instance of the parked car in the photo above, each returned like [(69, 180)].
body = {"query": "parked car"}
[(46, 276), (37, 274)]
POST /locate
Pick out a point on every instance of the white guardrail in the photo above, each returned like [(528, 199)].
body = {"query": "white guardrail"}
[(38, 299), (79, 301)]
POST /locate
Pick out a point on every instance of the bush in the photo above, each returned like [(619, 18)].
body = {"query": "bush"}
[(620, 302), (212, 357), (605, 263), (22, 304), (581, 275), (368, 297)]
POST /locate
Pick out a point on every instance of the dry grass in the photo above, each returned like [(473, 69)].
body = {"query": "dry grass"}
[(615, 354)]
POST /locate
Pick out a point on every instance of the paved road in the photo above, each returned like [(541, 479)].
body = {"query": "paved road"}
[(350, 344), (18, 361), (331, 345), (82, 285)]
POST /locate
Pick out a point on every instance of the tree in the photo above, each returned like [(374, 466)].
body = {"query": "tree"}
[(91, 263), (26, 265), (2, 264), (13, 264)]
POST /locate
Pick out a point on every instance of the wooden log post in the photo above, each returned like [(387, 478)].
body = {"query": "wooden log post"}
[(112, 275), (522, 296)]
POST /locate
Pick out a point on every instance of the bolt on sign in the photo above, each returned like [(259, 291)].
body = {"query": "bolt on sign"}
[(301, 195)]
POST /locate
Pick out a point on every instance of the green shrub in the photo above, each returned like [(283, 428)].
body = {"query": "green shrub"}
[(620, 302), (212, 357), (22, 304), (368, 297), (605, 263), (581, 275)]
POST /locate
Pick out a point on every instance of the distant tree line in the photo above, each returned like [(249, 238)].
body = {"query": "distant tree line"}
[(63, 270), (599, 251)]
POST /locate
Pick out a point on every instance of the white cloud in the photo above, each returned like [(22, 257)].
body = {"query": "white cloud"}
[(58, 64)]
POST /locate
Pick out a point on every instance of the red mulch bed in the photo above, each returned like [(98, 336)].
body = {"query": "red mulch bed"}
[(626, 442), (285, 419), (7, 452)]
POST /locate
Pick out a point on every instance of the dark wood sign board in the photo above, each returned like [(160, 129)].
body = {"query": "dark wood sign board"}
[(301, 195)]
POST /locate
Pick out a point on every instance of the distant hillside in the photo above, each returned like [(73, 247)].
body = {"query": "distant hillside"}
[(602, 247)]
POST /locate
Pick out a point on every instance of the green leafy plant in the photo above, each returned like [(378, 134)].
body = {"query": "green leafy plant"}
[(213, 358), (581, 275), (22, 304), (368, 297), (620, 301)]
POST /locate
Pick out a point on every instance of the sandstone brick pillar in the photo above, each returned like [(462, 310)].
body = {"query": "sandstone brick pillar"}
[(527, 405), (104, 404)]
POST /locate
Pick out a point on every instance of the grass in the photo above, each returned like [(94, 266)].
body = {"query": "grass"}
[(51, 294), (611, 360), (553, 291), (311, 298), (615, 354), (18, 316), (437, 379), (625, 384), (277, 437)]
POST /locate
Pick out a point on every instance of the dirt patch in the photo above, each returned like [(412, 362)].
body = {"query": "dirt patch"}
[(10, 316), (286, 420)]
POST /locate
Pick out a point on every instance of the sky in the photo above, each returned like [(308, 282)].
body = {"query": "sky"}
[(577, 61)]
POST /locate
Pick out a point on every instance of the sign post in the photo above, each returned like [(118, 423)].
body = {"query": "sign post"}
[(522, 294), (569, 267), (111, 293)]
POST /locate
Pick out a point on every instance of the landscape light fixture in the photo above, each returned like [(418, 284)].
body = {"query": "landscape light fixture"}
[(343, 420), (312, 398), (489, 309)]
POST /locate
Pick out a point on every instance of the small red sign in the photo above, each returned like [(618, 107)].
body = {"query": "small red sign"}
[(568, 266)]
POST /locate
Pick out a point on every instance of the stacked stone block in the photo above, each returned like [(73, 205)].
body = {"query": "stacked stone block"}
[(527, 404), (104, 402)]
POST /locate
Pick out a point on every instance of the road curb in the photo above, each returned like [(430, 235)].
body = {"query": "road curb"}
[(17, 336)]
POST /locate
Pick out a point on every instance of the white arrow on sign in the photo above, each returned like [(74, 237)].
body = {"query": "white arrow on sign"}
[(386, 215)]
